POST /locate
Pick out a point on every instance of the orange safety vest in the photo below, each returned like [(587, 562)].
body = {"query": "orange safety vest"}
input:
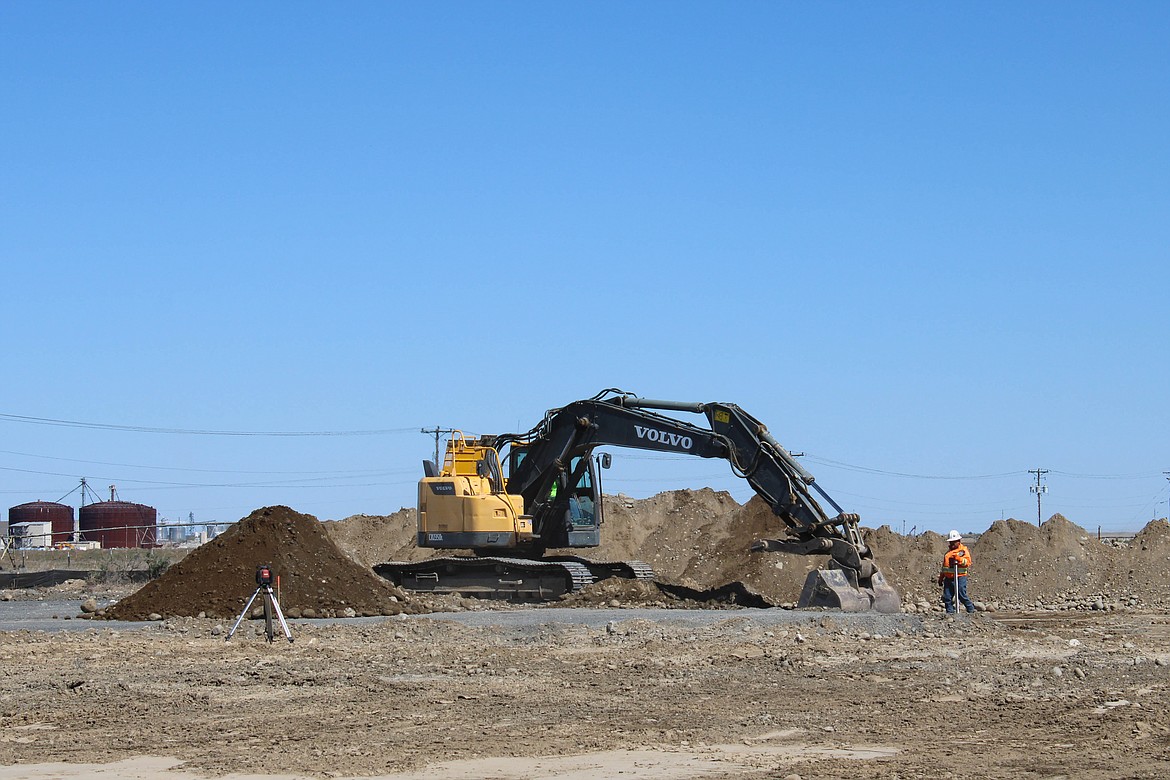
[(961, 557)]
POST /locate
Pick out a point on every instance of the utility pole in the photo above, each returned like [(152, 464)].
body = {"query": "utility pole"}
[(77, 520), (1038, 489), (1167, 475), (437, 432)]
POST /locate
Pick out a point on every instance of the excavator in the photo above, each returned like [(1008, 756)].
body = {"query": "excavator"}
[(511, 498)]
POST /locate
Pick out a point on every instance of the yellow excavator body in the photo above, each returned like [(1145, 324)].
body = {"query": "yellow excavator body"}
[(466, 505)]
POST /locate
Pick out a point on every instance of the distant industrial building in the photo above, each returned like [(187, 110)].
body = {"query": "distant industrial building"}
[(118, 524), (40, 524), (46, 524)]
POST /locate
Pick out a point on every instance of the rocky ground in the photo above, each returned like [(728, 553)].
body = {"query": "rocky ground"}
[(999, 695), (1064, 674)]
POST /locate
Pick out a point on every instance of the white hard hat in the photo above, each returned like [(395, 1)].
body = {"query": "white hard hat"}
[(954, 536)]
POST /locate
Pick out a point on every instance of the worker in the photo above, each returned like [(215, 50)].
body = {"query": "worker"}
[(953, 575), (576, 515)]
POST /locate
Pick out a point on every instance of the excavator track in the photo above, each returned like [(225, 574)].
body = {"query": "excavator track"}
[(506, 579), (603, 570)]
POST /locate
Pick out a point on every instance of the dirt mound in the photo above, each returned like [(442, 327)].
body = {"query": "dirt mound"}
[(699, 540), (721, 555), (1155, 536), (909, 563), (1142, 566), (696, 539), (217, 579), (661, 530), (373, 539), (1020, 563)]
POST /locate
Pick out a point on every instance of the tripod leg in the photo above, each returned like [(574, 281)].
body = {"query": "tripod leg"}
[(268, 599), (279, 614), (240, 619)]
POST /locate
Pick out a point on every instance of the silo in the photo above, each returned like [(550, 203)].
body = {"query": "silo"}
[(118, 524), (59, 516)]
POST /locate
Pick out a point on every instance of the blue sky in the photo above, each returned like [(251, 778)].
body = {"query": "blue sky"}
[(923, 242)]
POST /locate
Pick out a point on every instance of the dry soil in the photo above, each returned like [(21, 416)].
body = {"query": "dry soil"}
[(1065, 674)]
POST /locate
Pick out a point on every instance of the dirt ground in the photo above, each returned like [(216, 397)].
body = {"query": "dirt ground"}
[(1008, 695), (1064, 673)]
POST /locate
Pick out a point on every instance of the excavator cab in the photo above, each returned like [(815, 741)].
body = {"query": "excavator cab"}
[(583, 505), (574, 495)]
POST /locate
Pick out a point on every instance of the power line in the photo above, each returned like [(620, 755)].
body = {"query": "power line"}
[(1073, 474), (898, 504), (883, 472), (190, 431), (906, 475), (685, 478), (264, 483), (1146, 475), (623, 456), (371, 472), (847, 467)]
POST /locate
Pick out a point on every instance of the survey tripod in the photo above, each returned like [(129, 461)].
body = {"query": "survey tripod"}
[(271, 605)]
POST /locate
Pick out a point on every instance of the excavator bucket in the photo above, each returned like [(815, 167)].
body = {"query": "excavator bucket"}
[(834, 589)]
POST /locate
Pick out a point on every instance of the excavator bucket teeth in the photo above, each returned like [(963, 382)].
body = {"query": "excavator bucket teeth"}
[(832, 588), (885, 598)]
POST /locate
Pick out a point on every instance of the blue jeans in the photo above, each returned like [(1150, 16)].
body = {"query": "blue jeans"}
[(949, 594)]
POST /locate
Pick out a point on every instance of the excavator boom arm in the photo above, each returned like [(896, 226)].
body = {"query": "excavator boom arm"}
[(619, 419)]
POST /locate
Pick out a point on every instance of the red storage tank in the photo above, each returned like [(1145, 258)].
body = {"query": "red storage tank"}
[(59, 516), (118, 524)]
